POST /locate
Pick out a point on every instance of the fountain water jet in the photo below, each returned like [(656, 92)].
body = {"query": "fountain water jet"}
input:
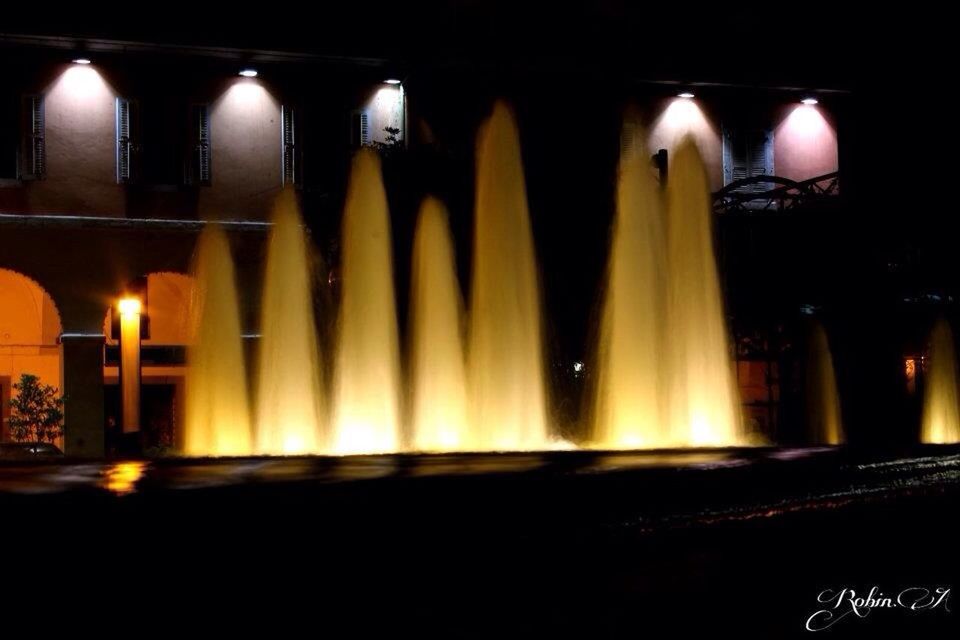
[(367, 378), (704, 404), (217, 414), (941, 402), (823, 402), (290, 404), (505, 359), (629, 406), (437, 369)]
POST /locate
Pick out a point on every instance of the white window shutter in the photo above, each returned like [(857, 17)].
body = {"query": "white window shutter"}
[(34, 157), (202, 173), (288, 141)]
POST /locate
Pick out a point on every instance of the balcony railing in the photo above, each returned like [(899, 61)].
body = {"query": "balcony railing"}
[(774, 193)]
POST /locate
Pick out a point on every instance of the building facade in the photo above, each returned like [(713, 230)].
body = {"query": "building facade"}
[(112, 161)]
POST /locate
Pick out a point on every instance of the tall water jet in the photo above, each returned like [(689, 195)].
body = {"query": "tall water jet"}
[(629, 406), (290, 406), (437, 369), (704, 404), (941, 402), (505, 358), (217, 414), (824, 422), (367, 378)]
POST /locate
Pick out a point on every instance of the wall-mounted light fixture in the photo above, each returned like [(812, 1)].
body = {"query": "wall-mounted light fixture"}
[(81, 61), (809, 100), (685, 94), (248, 73)]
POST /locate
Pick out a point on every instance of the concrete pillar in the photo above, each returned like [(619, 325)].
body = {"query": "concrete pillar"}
[(81, 364)]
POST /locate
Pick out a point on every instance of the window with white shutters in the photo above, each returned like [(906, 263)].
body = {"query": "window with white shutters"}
[(747, 153), (126, 140), (200, 126), (288, 141), (33, 164), (360, 129)]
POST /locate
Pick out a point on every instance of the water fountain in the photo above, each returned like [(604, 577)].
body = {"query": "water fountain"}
[(823, 402), (217, 410), (704, 404), (437, 367), (664, 367), (630, 409), (507, 396), (367, 379), (290, 408), (941, 402)]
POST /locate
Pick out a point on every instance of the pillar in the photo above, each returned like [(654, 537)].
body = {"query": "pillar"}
[(81, 369)]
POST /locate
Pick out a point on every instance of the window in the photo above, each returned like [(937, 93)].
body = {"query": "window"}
[(747, 153), (127, 139), (162, 141), (200, 157), (288, 141), (33, 158), (360, 129)]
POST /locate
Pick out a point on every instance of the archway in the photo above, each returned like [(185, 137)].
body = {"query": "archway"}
[(29, 328)]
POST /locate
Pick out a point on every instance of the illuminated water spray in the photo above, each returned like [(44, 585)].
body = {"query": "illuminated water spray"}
[(704, 403), (367, 379), (290, 406), (941, 402), (437, 369), (630, 407), (505, 363), (823, 401), (217, 414)]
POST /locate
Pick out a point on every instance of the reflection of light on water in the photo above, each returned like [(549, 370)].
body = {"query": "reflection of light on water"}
[(122, 477)]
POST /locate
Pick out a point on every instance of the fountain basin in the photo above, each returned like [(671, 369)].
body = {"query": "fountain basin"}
[(601, 544)]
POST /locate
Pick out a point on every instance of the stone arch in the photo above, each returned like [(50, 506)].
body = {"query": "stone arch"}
[(30, 326), (167, 298)]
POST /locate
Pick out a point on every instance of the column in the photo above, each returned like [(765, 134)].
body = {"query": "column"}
[(81, 367)]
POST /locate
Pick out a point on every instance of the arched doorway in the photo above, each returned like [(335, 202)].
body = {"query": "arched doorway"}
[(166, 299), (29, 328)]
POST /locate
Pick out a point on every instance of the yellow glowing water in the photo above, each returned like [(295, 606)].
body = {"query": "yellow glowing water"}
[(121, 478), (704, 403), (217, 414), (941, 403), (507, 398), (437, 368), (290, 406), (630, 407), (367, 379), (823, 402)]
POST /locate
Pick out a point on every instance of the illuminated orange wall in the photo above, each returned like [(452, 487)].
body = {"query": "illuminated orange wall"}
[(29, 327)]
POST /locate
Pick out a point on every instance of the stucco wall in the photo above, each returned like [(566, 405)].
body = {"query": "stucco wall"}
[(80, 137), (804, 143), (246, 153)]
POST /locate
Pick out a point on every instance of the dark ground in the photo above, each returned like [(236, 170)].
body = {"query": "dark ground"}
[(565, 544)]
